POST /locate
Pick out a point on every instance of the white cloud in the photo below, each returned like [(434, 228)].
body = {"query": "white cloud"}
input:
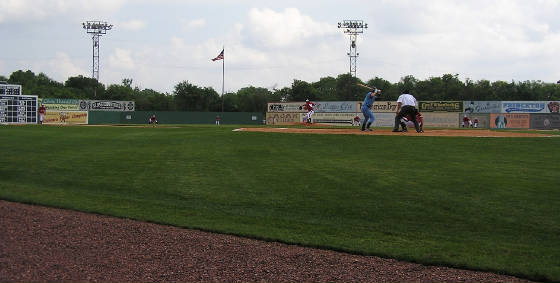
[(40, 10), (59, 68), (481, 39), (193, 24), (132, 25), (122, 59), (287, 28)]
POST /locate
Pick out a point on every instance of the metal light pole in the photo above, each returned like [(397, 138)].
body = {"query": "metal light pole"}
[(353, 28), (97, 29)]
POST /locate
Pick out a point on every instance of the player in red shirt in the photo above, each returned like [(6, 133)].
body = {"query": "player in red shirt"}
[(466, 121), (408, 121), (356, 121), (42, 111), (309, 107), (153, 120)]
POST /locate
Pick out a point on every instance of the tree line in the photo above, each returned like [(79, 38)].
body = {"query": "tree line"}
[(189, 97)]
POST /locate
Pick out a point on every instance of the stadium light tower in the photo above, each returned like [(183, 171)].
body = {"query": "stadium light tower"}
[(97, 29), (353, 28)]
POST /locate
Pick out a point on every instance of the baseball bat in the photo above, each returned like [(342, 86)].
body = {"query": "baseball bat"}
[(369, 87), (366, 86)]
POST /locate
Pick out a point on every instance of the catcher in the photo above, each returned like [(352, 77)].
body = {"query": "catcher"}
[(408, 121)]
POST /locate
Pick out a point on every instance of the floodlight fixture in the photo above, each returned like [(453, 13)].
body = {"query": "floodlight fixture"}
[(97, 29), (353, 28)]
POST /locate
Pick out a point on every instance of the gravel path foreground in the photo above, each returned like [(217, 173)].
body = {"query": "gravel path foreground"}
[(41, 244)]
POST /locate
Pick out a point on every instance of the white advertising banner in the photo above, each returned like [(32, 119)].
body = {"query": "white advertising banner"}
[(320, 106), (107, 105), (524, 107)]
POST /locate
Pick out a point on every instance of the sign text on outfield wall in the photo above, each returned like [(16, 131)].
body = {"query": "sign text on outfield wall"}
[(320, 106), (107, 105), (530, 107), (482, 106), (509, 121), (282, 118), (65, 117), (285, 107), (382, 106), (60, 103), (440, 106)]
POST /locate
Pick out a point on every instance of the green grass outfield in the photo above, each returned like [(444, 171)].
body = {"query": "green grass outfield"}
[(489, 204)]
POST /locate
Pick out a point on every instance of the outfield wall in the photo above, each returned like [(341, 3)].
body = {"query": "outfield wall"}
[(175, 117), (445, 114), (441, 114)]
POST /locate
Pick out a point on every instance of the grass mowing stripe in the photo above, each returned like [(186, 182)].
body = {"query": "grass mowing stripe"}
[(480, 203)]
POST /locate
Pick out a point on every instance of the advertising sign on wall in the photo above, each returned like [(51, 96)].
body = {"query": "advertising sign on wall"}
[(482, 106), (553, 106), (320, 106), (382, 107), (106, 105), (440, 106), (545, 121), (282, 118), (525, 107), (336, 106), (66, 117), (286, 107), (60, 104), (509, 121)]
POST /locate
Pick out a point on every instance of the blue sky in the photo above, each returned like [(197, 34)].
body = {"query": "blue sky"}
[(270, 43)]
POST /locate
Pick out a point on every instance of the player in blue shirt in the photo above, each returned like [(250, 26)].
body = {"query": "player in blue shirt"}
[(366, 108)]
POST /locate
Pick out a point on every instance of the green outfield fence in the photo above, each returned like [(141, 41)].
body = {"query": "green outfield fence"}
[(172, 117)]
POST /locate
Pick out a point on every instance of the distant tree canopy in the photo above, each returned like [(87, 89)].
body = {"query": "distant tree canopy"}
[(189, 97)]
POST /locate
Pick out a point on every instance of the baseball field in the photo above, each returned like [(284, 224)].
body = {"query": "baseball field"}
[(480, 203)]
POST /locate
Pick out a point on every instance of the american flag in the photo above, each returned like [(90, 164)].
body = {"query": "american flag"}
[(220, 56)]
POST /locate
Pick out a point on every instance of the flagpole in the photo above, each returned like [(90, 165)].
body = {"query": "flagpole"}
[(223, 76)]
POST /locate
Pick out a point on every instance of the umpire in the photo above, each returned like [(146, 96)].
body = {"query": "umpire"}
[(406, 105)]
